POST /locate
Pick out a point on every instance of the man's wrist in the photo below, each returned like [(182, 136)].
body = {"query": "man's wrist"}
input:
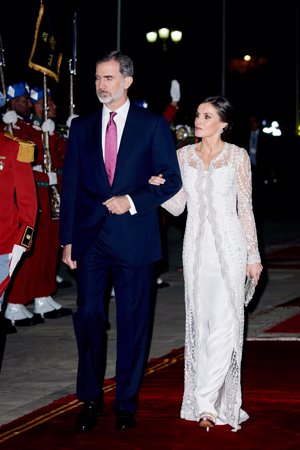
[(132, 209)]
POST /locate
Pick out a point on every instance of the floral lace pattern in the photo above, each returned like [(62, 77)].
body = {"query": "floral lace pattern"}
[(222, 195)]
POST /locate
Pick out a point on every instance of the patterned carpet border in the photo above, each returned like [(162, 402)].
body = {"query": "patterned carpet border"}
[(46, 413)]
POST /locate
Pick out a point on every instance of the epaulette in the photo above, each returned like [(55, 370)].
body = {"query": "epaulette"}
[(26, 149)]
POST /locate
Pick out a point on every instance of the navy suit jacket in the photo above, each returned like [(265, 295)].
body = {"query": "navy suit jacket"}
[(146, 148)]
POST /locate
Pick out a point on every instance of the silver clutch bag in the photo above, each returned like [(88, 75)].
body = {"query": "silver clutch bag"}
[(249, 290)]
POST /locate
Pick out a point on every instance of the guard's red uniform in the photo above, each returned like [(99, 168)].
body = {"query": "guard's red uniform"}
[(170, 112), (36, 276), (18, 193)]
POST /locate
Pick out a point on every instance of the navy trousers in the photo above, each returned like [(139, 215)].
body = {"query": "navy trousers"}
[(134, 295)]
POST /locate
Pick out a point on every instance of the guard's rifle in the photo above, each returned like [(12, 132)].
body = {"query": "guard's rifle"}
[(54, 194), (2, 65), (72, 66)]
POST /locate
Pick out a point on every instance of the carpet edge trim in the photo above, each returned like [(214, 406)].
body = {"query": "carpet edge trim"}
[(166, 361)]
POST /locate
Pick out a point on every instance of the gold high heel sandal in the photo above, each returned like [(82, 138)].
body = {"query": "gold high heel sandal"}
[(206, 420)]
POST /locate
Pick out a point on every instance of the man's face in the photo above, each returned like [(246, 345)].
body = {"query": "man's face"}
[(22, 105), (181, 133), (38, 107), (111, 85), (52, 108)]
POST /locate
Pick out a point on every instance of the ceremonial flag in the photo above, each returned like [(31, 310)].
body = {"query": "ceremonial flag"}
[(45, 56)]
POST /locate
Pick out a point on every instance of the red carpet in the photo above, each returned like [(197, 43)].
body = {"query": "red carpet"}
[(271, 387), (286, 258), (291, 325)]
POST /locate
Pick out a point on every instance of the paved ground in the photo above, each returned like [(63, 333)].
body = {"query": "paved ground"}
[(39, 365)]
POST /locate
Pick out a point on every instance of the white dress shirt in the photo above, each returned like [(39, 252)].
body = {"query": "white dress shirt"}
[(119, 120)]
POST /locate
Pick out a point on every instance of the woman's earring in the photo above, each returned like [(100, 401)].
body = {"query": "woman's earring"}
[(221, 131)]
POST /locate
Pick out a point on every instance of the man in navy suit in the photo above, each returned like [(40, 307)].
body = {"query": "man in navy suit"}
[(111, 229)]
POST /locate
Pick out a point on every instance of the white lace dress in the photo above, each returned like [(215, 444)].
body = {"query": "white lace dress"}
[(220, 239)]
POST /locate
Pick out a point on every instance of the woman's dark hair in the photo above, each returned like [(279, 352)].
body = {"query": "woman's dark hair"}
[(126, 64), (225, 111)]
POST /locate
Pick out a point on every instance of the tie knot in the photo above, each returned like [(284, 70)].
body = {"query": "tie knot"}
[(112, 115)]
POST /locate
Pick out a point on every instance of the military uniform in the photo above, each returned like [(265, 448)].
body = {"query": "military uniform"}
[(17, 213), (18, 195), (36, 278)]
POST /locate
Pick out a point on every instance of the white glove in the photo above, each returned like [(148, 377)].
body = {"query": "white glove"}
[(10, 117), (175, 91), (48, 126), (38, 168), (70, 118), (15, 257), (52, 178)]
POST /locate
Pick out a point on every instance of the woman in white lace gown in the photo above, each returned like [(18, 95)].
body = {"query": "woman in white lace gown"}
[(220, 249)]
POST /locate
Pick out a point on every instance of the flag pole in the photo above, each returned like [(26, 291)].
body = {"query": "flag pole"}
[(72, 66), (2, 65), (119, 25), (54, 194)]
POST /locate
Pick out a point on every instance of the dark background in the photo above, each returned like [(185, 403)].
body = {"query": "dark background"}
[(263, 29)]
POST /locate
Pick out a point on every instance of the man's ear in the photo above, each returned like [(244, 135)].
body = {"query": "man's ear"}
[(128, 82)]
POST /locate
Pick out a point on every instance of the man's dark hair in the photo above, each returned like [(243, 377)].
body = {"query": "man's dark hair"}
[(126, 64)]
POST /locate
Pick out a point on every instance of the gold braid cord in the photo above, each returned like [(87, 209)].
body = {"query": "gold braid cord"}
[(26, 149)]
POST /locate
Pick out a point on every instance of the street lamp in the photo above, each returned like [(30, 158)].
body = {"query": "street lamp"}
[(164, 34)]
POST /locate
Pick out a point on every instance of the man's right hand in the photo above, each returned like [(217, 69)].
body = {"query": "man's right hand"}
[(66, 257)]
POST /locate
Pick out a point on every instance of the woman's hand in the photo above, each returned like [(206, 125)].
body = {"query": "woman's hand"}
[(157, 180), (254, 270)]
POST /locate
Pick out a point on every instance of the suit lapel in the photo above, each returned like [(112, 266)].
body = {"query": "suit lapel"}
[(94, 134), (126, 143)]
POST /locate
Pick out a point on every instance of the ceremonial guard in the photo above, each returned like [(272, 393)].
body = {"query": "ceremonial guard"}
[(17, 118), (36, 278), (18, 210)]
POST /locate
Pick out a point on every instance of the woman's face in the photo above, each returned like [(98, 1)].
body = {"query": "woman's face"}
[(207, 121)]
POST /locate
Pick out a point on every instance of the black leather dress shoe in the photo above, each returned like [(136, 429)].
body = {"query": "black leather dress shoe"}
[(28, 322), (125, 420), (8, 327), (37, 318), (57, 313), (63, 284), (162, 284), (87, 417)]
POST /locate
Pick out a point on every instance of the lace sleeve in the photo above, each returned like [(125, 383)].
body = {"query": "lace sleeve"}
[(244, 206), (176, 204)]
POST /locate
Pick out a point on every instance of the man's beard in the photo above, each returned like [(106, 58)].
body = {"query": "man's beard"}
[(108, 99)]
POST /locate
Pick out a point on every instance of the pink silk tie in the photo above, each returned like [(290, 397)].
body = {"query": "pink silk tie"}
[(111, 147)]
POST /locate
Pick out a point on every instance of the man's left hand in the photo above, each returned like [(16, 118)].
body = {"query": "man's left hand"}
[(117, 205)]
